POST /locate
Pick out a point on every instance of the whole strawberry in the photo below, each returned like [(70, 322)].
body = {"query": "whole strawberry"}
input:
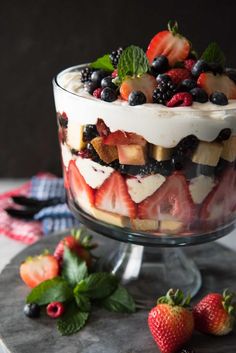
[(171, 321), (215, 314), (78, 242)]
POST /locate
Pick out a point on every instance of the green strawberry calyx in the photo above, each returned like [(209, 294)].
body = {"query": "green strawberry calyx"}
[(175, 298), (228, 305), (83, 238)]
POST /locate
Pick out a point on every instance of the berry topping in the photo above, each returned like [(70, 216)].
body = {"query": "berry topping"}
[(97, 77), (159, 65), (32, 310), (199, 67), (187, 84), (113, 196), (90, 131), (182, 99), (97, 92), (218, 98), (108, 95), (170, 44), (107, 82), (164, 91), (115, 56), (55, 310), (86, 74), (136, 98), (189, 63), (146, 84), (222, 83), (178, 75), (90, 87), (199, 95)]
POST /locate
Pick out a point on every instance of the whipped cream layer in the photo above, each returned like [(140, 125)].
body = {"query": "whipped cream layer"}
[(158, 124)]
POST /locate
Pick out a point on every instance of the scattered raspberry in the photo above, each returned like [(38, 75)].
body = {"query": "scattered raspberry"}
[(178, 75), (189, 63), (97, 93), (55, 309), (114, 73), (182, 99)]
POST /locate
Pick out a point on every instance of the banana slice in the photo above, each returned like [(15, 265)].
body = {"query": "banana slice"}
[(144, 224), (161, 153), (229, 149), (171, 227), (207, 153), (75, 136), (109, 217)]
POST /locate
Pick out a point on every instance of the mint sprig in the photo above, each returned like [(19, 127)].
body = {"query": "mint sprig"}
[(133, 62), (103, 63), (72, 321), (119, 301), (213, 54), (56, 289), (73, 269)]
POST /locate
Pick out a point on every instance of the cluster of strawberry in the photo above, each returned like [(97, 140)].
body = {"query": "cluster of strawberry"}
[(172, 321), (139, 77)]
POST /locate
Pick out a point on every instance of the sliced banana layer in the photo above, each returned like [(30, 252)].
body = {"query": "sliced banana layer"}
[(229, 149), (109, 217), (207, 153)]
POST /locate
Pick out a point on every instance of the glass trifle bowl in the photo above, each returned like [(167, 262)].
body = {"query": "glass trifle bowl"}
[(155, 177)]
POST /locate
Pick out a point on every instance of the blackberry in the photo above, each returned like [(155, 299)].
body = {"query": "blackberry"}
[(86, 74), (90, 131), (115, 56), (165, 90)]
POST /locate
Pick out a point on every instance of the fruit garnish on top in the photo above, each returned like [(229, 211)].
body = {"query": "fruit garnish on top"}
[(169, 73)]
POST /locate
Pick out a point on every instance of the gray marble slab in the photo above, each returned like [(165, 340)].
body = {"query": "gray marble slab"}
[(105, 332)]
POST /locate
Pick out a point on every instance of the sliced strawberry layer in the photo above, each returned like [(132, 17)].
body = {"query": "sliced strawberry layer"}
[(80, 190), (120, 137), (222, 83), (172, 199), (113, 197), (102, 128), (146, 84), (174, 47), (221, 202)]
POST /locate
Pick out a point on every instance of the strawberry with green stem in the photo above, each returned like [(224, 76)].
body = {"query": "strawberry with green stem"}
[(215, 314), (171, 321)]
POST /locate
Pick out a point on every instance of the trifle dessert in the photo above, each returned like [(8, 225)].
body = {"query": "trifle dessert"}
[(148, 139)]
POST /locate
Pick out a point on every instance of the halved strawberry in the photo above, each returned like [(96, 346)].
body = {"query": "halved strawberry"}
[(221, 202), (102, 128), (172, 198), (38, 269), (113, 196), (145, 83), (178, 75), (169, 43), (222, 83), (81, 191), (121, 137)]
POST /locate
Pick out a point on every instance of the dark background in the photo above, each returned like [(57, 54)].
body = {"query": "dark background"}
[(40, 38)]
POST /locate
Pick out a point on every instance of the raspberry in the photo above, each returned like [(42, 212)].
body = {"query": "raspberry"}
[(55, 309), (182, 99), (189, 63), (97, 93), (114, 73)]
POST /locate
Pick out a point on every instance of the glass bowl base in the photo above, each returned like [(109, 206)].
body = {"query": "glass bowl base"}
[(149, 273)]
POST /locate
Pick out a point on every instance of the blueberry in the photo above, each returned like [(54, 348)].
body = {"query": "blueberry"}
[(32, 310), (90, 131), (97, 76), (177, 159), (199, 95), (218, 98), (137, 98), (90, 87), (160, 64), (187, 85), (199, 67), (107, 82), (108, 95), (221, 166), (188, 143), (224, 135)]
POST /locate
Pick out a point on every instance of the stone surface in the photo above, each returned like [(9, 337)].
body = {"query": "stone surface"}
[(105, 332)]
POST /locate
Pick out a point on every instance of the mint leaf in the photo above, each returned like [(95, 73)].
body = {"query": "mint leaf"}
[(72, 321), (103, 63), (132, 62), (55, 289), (74, 269), (213, 54), (119, 301), (97, 285), (83, 302)]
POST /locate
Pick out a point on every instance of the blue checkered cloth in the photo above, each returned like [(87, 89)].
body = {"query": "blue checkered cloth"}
[(54, 218)]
